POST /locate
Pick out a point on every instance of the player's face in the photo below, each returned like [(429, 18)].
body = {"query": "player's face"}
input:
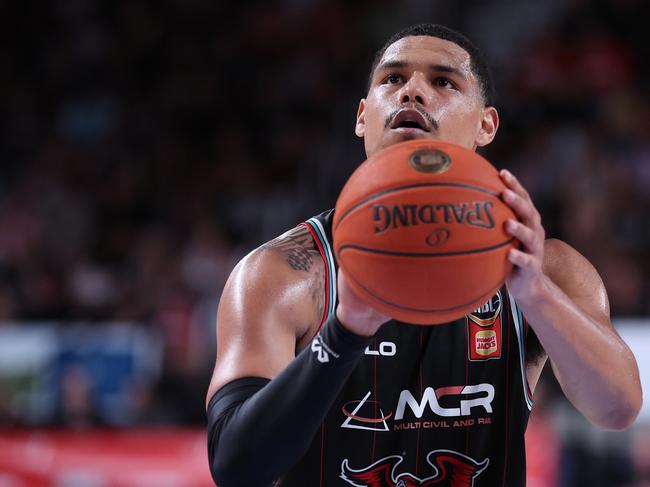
[(423, 87)]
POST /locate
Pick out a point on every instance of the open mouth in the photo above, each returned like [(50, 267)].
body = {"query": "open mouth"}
[(410, 119), (410, 124)]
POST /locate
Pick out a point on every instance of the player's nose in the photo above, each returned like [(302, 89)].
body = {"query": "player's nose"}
[(415, 90)]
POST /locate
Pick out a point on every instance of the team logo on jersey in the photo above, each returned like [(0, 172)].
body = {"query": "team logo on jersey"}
[(484, 330), (360, 415), (450, 469)]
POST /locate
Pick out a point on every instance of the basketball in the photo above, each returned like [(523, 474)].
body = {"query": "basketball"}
[(419, 232)]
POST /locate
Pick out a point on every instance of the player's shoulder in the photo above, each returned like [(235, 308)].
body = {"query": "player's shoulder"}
[(288, 270), (289, 257), (294, 250)]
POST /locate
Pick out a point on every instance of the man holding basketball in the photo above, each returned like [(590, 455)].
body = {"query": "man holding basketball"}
[(312, 387)]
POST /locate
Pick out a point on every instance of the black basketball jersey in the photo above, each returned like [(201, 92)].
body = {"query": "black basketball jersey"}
[(441, 406)]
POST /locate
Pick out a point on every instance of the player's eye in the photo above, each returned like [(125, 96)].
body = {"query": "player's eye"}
[(443, 82), (392, 79)]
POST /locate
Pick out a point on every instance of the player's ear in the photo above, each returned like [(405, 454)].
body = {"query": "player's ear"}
[(489, 124), (360, 128)]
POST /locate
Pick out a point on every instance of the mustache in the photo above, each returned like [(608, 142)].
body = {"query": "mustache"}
[(417, 108)]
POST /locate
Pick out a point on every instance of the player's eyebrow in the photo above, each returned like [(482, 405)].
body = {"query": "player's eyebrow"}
[(444, 68)]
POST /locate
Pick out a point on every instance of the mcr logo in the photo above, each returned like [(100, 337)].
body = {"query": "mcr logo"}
[(451, 469)]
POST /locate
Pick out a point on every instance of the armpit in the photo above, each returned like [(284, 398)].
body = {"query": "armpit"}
[(534, 350)]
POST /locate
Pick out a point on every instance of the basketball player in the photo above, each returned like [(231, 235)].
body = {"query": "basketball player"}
[(314, 388)]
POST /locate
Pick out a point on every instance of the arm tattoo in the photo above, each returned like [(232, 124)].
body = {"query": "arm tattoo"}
[(298, 248)]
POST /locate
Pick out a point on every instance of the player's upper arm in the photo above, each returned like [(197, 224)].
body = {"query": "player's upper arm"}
[(266, 306), (578, 278)]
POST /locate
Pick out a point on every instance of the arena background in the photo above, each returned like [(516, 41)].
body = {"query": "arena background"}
[(146, 146)]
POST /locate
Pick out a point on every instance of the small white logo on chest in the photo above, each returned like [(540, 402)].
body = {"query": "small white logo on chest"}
[(385, 349)]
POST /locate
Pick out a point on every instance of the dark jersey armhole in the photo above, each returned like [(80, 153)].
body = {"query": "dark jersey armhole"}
[(533, 350)]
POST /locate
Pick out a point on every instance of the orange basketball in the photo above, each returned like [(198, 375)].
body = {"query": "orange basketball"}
[(419, 231)]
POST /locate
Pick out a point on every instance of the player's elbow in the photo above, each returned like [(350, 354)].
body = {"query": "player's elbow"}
[(622, 415), (226, 470), (226, 467), (236, 464), (221, 474), (617, 422), (219, 464)]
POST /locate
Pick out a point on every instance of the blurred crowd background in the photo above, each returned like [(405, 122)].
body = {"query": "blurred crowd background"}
[(146, 146)]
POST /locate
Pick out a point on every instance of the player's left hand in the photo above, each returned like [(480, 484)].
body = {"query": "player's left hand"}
[(527, 277)]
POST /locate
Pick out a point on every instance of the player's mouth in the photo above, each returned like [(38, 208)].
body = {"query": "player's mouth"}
[(410, 121)]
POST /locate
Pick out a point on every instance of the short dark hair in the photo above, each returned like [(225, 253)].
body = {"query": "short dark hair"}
[(478, 63)]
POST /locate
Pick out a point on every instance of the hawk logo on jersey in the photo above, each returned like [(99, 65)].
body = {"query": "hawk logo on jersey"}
[(451, 469), (484, 330)]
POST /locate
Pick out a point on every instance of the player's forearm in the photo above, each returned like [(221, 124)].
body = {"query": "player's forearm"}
[(595, 368), (255, 438)]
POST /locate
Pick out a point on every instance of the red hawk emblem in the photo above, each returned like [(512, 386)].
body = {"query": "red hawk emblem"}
[(451, 469)]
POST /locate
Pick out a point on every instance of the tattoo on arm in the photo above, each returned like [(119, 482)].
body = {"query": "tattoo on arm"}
[(298, 248), (300, 252)]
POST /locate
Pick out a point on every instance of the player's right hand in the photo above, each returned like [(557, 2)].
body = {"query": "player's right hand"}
[(354, 313)]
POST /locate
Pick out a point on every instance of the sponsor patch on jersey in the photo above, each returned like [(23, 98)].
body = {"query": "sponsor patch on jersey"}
[(444, 407), (484, 330)]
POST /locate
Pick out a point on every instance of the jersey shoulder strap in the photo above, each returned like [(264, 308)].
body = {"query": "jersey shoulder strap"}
[(320, 227)]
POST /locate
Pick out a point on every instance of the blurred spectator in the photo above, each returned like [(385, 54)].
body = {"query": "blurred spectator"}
[(77, 406)]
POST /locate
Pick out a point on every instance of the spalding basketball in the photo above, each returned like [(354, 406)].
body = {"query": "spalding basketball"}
[(419, 231)]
